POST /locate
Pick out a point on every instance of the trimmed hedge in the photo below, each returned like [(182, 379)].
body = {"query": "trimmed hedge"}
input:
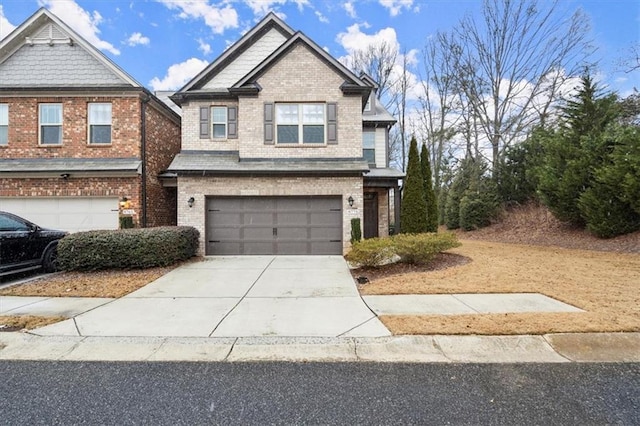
[(422, 248), (408, 248), (371, 252), (127, 248)]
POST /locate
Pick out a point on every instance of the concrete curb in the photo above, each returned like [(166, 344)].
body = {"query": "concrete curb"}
[(553, 348)]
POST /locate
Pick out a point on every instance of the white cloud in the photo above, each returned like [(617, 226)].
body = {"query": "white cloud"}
[(321, 17), (81, 21), (350, 9), (204, 47), (354, 39), (178, 74), (262, 7), (5, 26), (216, 18), (136, 39), (396, 6)]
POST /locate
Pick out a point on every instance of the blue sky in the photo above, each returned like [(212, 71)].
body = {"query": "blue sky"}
[(162, 43)]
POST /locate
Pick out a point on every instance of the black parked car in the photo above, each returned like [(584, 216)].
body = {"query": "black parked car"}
[(24, 246)]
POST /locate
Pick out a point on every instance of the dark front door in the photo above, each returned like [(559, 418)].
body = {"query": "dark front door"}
[(274, 225), (370, 215)]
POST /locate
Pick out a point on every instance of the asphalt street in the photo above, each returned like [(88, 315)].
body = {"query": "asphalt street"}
[(317, 393)]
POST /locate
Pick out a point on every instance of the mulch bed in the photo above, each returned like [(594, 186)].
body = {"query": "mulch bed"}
[(441, 261)]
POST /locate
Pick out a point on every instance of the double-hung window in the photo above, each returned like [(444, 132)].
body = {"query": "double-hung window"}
[(300, 123), (99, 123), (219, 122), (369, 146), (50, 118), (4, 124)]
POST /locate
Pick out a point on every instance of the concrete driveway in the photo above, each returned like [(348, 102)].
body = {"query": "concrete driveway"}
[(237, 296)]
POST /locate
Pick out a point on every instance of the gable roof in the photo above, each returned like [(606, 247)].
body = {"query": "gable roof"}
[(271, 21), (352, 82), (22, 36)]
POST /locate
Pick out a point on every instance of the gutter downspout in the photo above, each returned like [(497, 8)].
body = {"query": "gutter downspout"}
[(143, 156)]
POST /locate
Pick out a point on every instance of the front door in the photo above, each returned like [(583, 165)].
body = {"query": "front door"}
[(370, 215)]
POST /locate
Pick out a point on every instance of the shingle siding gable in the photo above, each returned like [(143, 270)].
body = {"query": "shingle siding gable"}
[(247, 60), (52, 66)]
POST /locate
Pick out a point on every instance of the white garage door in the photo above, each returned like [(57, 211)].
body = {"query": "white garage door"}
[(68, 214)]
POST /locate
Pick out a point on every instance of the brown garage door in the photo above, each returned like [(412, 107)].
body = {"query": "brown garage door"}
[(274, 225)]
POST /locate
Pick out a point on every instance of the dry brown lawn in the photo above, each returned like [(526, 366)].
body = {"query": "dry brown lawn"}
[(88, 284), (11, 323), (604, 284)]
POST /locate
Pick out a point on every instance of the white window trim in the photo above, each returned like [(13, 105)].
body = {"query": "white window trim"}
[(224, 123), (89, 124), (301, 124), (40, 124), (373, 134), (4, 121)]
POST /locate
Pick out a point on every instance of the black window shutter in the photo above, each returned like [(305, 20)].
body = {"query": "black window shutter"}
[(204, 123), (268, 124), (332, 123), (232, 122)]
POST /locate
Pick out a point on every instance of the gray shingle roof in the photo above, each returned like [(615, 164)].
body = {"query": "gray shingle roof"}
[(35, 165), (384, 173), (229, 163)]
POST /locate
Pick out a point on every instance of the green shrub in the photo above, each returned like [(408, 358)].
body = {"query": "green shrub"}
[(127, 248), (371, 252), (422, 248), (356, 231)]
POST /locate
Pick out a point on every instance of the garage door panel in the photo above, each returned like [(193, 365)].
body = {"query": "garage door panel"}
[(325, 218), (71, 214), (319, 233), (224, 248), (292, 218), (265, 234), (257, 218), (292, 232), (303, 225), (257, 248)]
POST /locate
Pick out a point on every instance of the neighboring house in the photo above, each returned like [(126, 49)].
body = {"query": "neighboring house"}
[(281, 147), (78, 135)]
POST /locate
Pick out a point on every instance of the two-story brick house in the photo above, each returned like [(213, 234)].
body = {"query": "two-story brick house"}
[(78, 135), (282, 146)]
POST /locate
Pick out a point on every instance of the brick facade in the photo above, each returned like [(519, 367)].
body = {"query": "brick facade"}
[(162, 142), (23, 128)]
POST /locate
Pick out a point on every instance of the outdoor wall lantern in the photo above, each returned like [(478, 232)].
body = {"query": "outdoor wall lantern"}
[(190, 201), (65, 176), (350, 201)]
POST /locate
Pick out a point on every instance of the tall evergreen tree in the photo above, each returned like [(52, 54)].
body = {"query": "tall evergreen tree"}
[(413, 209), (573, 152), (429, 193)]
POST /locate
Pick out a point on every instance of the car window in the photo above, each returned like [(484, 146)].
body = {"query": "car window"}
[(10, 224)]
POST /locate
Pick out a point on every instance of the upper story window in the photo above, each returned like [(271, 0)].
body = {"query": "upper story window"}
[(219, 122), (50, 119), (300, 123), (100, 123), (369, 146), (4, 124), (367, 107)]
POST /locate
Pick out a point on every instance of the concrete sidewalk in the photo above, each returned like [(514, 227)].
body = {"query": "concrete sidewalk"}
[(553, 348)]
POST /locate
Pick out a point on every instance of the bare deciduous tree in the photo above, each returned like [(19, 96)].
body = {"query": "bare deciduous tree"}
[(511, 62), (439, 102)]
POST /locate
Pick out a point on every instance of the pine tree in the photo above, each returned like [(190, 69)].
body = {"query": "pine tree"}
[(413, 208), (573, 152), (429, 193)]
